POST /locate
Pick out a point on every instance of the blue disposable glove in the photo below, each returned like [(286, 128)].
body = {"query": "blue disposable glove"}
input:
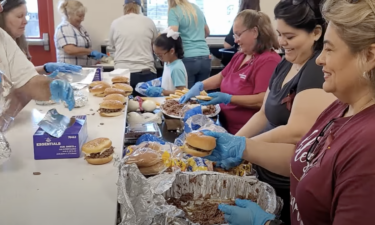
[(229, 163), (245, 213), (194, 91), (217, 98), (61, 90), (97, 55), (61, 67), (154, 91), (227, 146)]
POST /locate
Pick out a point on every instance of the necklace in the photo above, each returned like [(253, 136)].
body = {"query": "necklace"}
[(337, 132)]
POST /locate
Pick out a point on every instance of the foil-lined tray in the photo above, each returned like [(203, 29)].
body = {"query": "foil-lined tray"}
[(143, 201)]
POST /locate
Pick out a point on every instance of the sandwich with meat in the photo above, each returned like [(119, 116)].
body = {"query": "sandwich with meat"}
[(199, 145), (120, 80), (99, 90), (98, 151), (117, 97), (125, 87), (109, 91), (111, 108), (96, 83)]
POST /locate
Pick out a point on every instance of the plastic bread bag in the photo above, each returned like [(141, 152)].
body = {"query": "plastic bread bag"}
[(7, 116), (141, 88), (147, 156), (149, 138), (173, 158)]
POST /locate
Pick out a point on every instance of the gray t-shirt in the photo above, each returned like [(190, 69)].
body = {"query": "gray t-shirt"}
[(310, 76), (132, 36)]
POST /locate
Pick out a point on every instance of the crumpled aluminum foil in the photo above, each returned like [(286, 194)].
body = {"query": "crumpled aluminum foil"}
[(6, 88), (143, 202), (55, 124), (80, 98)]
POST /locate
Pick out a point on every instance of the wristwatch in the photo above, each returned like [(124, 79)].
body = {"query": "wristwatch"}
[(276, 222)]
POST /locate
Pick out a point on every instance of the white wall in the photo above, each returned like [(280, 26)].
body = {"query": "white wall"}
[(101, 13)]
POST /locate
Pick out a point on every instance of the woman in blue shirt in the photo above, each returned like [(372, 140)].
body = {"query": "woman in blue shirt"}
[(189, 20)]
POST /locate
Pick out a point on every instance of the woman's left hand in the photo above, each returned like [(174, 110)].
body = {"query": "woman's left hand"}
[(217, 98), (245, 212), (154, 91), (61, 67)]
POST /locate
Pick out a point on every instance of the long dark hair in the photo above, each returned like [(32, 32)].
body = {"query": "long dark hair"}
[(21, 41), (249, 4), (167, 43), (303, 14)]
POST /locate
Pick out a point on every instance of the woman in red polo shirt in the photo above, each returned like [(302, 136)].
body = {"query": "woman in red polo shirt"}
[(331, 169), (244, 81)]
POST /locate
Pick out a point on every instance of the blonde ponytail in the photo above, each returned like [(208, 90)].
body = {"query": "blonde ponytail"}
[(70, 7), (188, 9)]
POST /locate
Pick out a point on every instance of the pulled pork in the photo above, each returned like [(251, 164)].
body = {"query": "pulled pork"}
[(109, 110), (105, 154)]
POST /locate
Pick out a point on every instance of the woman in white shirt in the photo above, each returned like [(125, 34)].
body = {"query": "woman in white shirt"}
[(132, 36), (73, 43)]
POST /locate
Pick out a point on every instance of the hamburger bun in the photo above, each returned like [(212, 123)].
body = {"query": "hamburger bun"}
[(125, 87), (144, 158), (153, 145), (117, 97), (95, 83), (152, 170), (203, 98), (109, 91), (199, 145), (99, 161), (203, 93), (120, 79), (174, 96), (98, 90), (111, 108), (98, 146)]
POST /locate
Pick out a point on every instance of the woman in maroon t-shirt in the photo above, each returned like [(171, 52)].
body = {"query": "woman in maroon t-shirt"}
[(244, 81), (332, 169)]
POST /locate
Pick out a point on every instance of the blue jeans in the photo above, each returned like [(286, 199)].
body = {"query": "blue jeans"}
[(198, 68)]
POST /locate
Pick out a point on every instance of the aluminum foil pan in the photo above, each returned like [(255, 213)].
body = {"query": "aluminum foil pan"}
[(80, 98), (143, 201)]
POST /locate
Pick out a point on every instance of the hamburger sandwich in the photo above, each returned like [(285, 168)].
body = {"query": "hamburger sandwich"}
[(99, 90), (120, 80), (203, 98), (125, 87), (117, 97), (95, 83), (203, 93), (109, 91), (98, 151), (179, 93), (199, 145), (111, 108)]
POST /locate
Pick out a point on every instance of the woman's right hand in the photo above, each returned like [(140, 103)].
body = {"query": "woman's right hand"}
[(227, 147), (194, 91)]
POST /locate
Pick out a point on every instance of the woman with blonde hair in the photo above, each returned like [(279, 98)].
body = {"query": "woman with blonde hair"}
[(244, 81), (13, 21), (189, 20), (331, 169), (132, 36), (73, 43)]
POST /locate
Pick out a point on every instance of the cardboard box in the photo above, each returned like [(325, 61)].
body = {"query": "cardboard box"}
[(67, 146)]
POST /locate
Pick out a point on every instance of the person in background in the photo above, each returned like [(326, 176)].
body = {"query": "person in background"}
[(189, 20), (331, 169), (132, 36), (244, 81), (229, 41), (168, 48), (13, 20), (73, 43), (295, 97)]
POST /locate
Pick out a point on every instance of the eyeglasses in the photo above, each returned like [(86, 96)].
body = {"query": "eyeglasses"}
[(311, 153), (236, 37), (160, 56)]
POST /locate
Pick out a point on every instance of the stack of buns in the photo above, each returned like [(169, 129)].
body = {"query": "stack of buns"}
[(147, 156), (115, 96), (180, 93)]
